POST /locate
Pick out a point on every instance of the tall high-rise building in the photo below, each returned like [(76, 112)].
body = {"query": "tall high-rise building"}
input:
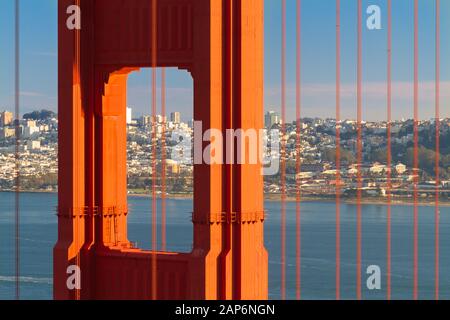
[(145, 120), (129, 115), (175, 117), (271, 118), (160, 119), (6, 118)]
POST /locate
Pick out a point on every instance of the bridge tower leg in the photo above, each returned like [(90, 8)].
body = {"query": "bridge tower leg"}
[(228, 199)]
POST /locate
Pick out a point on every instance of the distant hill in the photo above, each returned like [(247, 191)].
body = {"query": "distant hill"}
[(40, 115)]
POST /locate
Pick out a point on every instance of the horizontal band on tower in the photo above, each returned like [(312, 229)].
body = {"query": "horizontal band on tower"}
[(233, 218), (95, 211)]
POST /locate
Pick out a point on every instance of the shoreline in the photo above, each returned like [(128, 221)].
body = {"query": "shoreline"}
[(277, 198)]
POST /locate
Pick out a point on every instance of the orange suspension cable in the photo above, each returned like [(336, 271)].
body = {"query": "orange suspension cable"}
[(17, 156), (298, 154), (416, 152), (283, 152), (154, 148), (359, 157), (437, 173), (338, 149), (163, 160), (389, 151)]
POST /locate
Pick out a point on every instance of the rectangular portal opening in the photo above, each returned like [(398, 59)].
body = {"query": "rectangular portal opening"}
[(170, 131)]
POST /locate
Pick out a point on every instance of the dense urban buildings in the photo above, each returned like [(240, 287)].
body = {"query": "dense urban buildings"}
[(38, 155)]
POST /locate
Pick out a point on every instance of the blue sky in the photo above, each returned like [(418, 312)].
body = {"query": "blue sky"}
[(39, 60)]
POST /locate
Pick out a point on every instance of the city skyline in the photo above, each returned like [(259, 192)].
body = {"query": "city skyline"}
[(182, 118), (38, 154)]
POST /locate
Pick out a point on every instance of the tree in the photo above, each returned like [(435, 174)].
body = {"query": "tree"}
[(426, 159), (378, 155), (347, 156), (40, 115)]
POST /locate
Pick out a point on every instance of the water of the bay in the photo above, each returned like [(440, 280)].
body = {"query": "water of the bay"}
[(39, 231)]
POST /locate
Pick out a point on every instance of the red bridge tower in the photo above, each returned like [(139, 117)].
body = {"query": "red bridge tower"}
[(220, 42)]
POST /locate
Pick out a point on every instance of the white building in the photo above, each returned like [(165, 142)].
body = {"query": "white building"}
[(129, 115), (400, 168), (377, 168), (33, 145), (28, 132)]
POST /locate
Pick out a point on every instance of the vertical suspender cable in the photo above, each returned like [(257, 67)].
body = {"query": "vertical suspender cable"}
[(416, 152), (228, 123), (437, 173), (338, 149), (76, 214), (154, 43), (359, 156), (389, 152), (298, 154), (283, 151), (163, 160), (17, 156)]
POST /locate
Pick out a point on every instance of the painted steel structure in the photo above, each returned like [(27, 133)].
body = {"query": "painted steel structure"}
[(220, 42)]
